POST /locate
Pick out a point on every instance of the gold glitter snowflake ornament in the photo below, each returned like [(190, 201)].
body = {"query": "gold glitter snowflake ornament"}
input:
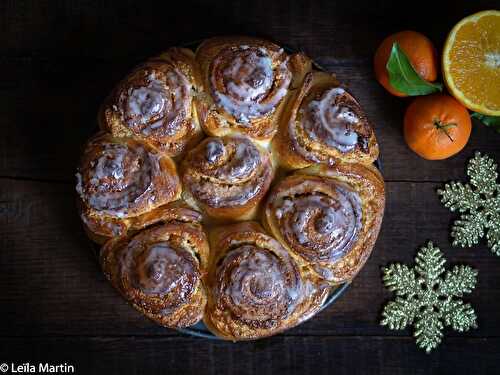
[(478, 203), (428, 297)]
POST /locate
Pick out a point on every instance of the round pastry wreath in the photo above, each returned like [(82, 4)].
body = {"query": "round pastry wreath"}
[(233, 186)]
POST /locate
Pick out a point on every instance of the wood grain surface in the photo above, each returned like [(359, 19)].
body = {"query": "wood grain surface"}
[(59, 59)]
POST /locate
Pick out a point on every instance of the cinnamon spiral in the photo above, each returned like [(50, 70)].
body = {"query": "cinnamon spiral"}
[(257, 288), (159, 271), (120, 179), (247, 82), (325, 124), (156, 102), (323, 220), (328, 221), (227, 176)]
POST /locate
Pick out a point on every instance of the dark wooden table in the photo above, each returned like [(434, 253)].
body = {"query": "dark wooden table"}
[(58, 61)]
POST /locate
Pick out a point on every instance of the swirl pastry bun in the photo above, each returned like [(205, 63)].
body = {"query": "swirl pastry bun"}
[(256, 134), (160, 269), (255, 287), (324, 123), (247, 82), (122, 184), (329, 216), (156, 102), (227, 177)]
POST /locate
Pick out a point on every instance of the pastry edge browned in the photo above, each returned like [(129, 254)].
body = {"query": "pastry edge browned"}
[(248, 211), (303, 66), (187, 314), (372, 195), (287, 155), (222, 238), (100, 226), (183, 58), (217, 122)]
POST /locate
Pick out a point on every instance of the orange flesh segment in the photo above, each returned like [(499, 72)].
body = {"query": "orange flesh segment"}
[(474, 61)]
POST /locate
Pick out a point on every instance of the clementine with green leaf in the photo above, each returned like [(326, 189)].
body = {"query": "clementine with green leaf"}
[(405, 63), (436, 126)]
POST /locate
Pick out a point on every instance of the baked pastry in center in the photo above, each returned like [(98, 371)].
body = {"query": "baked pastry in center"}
[(232, 185), (227, 177)]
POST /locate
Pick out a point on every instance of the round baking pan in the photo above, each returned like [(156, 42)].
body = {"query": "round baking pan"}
[(200, 329)]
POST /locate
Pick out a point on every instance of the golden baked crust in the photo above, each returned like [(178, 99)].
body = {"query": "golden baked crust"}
[(322, 220), (160, 269), (324, 123), (255, 288), (227, 177), (329, 217), (246, 82), (157, 103), (122, 185)]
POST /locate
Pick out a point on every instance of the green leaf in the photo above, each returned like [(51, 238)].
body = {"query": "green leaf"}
[(492, 121), (404, 78)]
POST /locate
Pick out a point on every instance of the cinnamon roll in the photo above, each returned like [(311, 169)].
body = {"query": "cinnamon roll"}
[(329, 217), (265, 111), (227, 177), (122, 184), (255, 287), (246, 84), (160, 269), (324, 123), (156, 102)]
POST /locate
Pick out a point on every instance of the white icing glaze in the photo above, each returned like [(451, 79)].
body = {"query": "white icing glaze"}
[(214, 150), (250, 86), (325, 227), (117, 178), (244, 162), (330, 123), (110, 164), (261, 285), (160, 106), (159, 270), (146, 102), (79, 186), (259, 277), (233, 172)]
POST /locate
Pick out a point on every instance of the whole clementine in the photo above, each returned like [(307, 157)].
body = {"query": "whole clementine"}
[(436, 126), (420, 52)]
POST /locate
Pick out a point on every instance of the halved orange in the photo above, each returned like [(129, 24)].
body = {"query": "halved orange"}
[(471, 62)]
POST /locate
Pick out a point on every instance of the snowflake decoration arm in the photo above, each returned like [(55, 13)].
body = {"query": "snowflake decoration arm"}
[(428, 297), (478, 203)]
